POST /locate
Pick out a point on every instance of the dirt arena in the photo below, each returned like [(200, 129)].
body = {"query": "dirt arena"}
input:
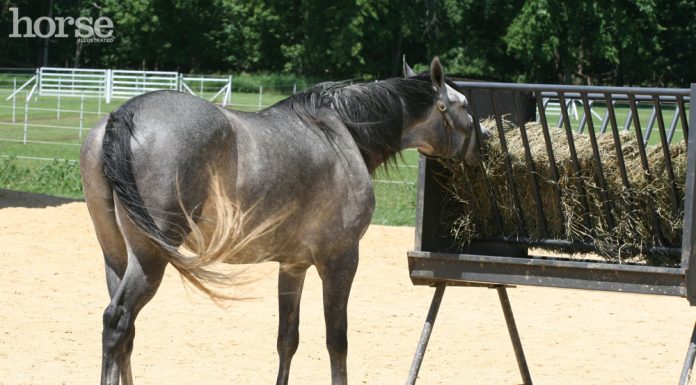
[(52, 293)]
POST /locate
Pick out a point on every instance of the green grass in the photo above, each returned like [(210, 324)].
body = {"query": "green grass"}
[(60, 178), (44, 125), (396, 202)]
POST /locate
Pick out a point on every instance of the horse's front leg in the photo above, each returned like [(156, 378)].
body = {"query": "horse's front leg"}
[(337, 277), (290, 282)]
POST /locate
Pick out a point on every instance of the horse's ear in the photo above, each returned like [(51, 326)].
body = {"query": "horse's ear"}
[(436, 73), (408, 71)]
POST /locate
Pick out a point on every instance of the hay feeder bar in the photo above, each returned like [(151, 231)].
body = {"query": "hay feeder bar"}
[(502, 261)]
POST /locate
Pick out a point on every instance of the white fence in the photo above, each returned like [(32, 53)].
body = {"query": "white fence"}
[(201, 83), (122, 84), (48, 112), (71, 82), (106, 84), (54, 90)]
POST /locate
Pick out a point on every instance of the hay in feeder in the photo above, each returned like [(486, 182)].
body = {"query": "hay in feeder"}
[(631, 220)]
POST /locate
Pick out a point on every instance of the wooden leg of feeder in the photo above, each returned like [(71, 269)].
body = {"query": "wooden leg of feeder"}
[(689, 361), (425, 335), (514, 335)]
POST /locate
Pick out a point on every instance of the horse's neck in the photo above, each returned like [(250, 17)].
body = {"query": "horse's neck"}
[(381, 153)]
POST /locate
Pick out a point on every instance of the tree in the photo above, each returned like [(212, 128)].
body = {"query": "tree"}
[(587, 42), (594, 41), (678, 58)]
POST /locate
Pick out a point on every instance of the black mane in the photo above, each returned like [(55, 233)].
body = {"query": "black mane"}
[(374, 112)]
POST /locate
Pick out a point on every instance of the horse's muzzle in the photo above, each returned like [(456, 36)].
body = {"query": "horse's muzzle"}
[(471, 151)]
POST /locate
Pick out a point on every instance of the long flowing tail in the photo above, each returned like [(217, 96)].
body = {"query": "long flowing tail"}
[(220, 235)]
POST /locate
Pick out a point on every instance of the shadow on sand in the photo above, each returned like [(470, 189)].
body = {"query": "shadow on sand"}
[(10, 198)]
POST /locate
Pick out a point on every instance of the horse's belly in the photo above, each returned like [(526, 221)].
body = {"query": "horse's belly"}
[(272, 253), (303, 238)]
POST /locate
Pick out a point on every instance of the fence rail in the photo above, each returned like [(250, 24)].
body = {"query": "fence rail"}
[(121, 84), (71, 82)]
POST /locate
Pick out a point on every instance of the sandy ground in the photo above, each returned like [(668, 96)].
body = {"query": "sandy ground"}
[(52, 293)]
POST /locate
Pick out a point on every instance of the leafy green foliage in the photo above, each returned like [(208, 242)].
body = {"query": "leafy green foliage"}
[(60, 178), (281, 83), (595, 41)]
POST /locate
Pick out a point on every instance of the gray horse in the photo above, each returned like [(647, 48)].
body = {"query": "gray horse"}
[(172, 179)]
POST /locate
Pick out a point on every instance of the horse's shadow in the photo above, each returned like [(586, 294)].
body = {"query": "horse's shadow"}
[(11, 198)]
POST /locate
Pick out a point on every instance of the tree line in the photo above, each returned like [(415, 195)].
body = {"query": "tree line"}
[(619, 42)]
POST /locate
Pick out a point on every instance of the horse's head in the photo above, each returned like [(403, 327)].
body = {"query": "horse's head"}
[(447, 131)]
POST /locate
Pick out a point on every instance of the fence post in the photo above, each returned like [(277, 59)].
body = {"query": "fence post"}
[(107, 86), (99, 102), (229, 91), (260, 96), (294, 88), (82, 112), (58, 101), (26, 118), (39, 81), (14, 101)]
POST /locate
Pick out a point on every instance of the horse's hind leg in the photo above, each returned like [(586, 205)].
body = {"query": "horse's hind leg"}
[(142, 277), (100, 202), (115, 267), (337, 277), (113, 281), (290, 282), (137, 288), (115, 264)]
